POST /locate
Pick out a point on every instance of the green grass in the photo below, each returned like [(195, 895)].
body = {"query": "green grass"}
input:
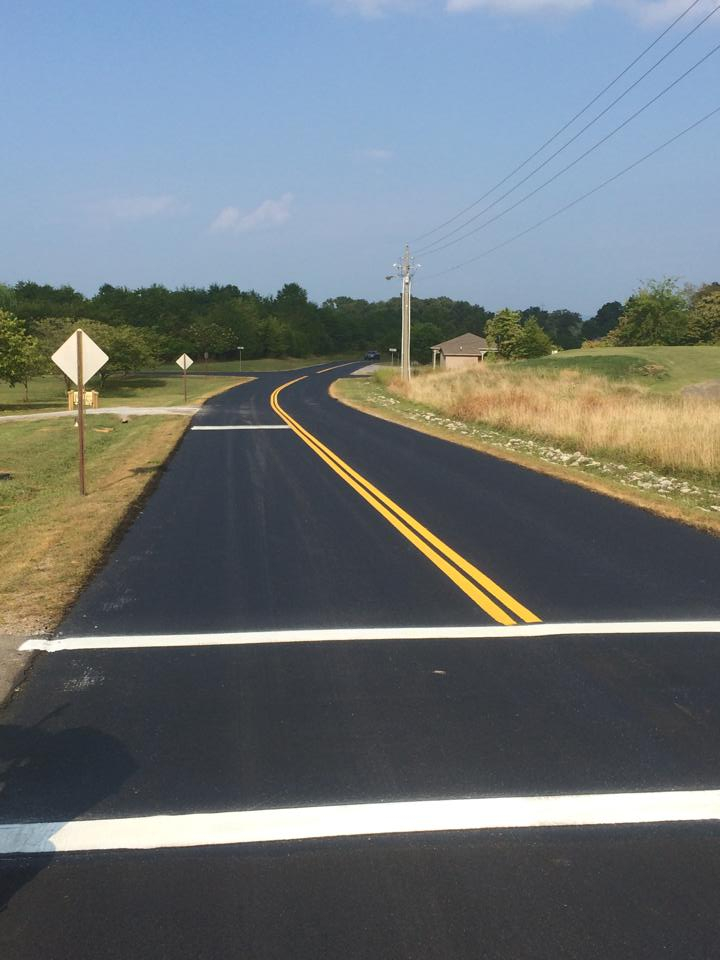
[(48, 393), (50, 537), (265, 365), (662, 369)]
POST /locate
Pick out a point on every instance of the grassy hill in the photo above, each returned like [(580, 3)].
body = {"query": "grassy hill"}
[(662, 369)]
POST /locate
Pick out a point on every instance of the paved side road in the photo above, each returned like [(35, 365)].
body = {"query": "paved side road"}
[(159, 720), (183, 411)]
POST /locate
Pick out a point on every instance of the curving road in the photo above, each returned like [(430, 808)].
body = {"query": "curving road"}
[(347, 690)]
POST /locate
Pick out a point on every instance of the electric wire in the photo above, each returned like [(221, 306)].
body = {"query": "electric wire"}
[(579, 199), (565, 127), (577, 160)]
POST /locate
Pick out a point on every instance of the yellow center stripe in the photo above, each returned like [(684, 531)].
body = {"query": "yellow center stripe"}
[(431, 546)]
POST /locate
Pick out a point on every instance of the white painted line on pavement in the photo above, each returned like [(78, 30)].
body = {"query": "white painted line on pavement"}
[(373, 633), (366, 819), (251, 426)]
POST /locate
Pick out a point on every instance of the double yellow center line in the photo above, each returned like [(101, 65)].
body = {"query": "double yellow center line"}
[(473, 582)]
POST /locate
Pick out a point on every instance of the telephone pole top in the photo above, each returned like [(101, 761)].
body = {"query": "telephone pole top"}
[(405, 271)]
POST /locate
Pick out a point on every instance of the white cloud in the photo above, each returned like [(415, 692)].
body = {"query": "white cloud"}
[(646, 11), (516, 6), (374, 8), (377, 153), (269, 213), (140, 208), (662, 11)]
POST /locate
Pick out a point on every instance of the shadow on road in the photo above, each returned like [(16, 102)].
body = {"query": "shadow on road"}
[(52, 778)]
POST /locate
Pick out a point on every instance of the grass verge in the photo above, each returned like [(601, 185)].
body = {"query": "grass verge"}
[(660, 369), (51, 538), (48, 393), (686, 496)]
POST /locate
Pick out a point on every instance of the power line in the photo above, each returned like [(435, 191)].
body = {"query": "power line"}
[(579, 199), (565, 127), (552, 156), (577, 160)]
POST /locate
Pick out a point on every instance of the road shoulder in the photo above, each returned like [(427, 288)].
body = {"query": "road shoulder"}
[(368, 396), (54, 541)]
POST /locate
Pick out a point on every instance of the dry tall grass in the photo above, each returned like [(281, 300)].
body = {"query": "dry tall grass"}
[(589, 413)]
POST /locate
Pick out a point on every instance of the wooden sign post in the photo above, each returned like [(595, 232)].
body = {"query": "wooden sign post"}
[(184, 362), (81, 409), (80, 358)]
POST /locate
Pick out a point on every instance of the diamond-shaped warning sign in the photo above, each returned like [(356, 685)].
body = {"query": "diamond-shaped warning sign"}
[(66, 357), (184, 362)]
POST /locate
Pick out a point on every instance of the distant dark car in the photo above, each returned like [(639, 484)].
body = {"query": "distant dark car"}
[(372, 355)]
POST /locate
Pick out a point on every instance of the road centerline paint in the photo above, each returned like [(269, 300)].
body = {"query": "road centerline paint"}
[(379, 634), (359, 819), (473, 582)]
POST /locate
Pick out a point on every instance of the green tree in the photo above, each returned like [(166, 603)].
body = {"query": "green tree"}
[(424, 336), (656, 313), (504, 332), (277, 337), (605, 320), (204, 336), (704, 318), (129, 350), (533, 342), (7, 298), (21, 358)]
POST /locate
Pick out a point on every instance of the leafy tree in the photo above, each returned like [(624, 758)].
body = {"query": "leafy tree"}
[(424, 336), (504, 332), (533, 341), (7, 298), (605, 320), (129, 350), (704, 318), (563, 327), (276, 337), (656, 313), (204, 336), (20, 355)]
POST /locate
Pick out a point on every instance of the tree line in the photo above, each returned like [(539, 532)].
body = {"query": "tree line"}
[(141, 327)]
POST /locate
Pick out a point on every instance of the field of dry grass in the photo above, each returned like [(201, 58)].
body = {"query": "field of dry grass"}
[(589, 413)]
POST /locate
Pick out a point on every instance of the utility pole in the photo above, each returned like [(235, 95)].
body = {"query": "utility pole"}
[(81, 409), (406, 270)]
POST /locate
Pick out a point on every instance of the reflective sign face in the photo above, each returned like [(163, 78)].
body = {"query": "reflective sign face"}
[(66, 357), (184, 361)]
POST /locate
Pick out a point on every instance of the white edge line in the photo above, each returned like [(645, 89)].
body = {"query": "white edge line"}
[(304, 823), (373, 633), (252, 426)]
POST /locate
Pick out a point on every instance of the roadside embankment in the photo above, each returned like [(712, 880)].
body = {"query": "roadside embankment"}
[(51, 538), (658, 452)]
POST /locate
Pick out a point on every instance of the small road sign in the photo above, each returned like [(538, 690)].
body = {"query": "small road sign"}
[(66, 357), (184, 362), (80, 358)]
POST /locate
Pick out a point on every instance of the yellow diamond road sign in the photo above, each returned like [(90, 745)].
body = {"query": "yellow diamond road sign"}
[(66, 357), (185, 362)]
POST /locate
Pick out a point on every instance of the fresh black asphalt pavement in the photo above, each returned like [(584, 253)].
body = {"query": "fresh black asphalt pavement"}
[(251, 530)]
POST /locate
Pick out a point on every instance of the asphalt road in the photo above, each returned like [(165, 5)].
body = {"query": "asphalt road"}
[(348, 522)]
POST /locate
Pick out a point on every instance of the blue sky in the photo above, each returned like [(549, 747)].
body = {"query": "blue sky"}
[(256, 143)]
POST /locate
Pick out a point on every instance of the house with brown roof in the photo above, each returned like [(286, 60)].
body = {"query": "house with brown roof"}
[(465, 351)]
